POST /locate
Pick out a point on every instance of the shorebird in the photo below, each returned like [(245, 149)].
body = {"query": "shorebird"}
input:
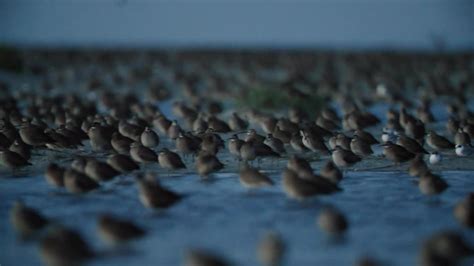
[(397, 153), (129, 130), (360, 148), (200, 257), (435, 157), (99, 171), (21, 148), (331, 172), (99, 138), (418, 166), (153, 195), (142, 154), (162, 124), (62, 246), (301, 166), (410, 144), (344, 158), (247, 151), (76, 182), (271, 249), (233, 145), (313, 142), (34, 135), (299, 188), (253, 136), (25, 220), (332, 221), (464, 211), (12, 159), (115, 230), (149, 138), (274, 143), (185, 144), (444, 248), (174, 130), (236, 123), (284, 136), (438, 142), (54, 175), (431, 184), (463, 150), (366, 137), (252, 178), (121, 144), (207, 163), (296, 143), (122, 163), (170, 160)]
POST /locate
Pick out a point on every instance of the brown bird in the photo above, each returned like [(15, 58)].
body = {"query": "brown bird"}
[(149, 138), (248, 152), (34, 135), (122, 163), (464, 211), (301, 166), (396, 153), (298, 188), (12, 159), (99, 138), (271, 249), (360, 148), (313, 142), (462, 138), (234, 144), (366, 137), (77, 182), (444, 248), (331, 172), (343, 158), (170, 160), (332, 221), (54, 175), (274, 143), (121, 144), (236, 123), (99, 171), (197, 257), (431, 184), (418, 166), (21, 148), (115, 230), (252, 178), (438, 142), (142, 154), (410, 144), (207, 163), (26, 221), (63, 246), (185, 144), (153, 195)]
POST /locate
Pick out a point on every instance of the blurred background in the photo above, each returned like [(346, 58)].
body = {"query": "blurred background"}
[(341, 24)]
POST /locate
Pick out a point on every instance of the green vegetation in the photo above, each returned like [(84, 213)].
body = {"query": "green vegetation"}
[(10, 59), (277, 99)]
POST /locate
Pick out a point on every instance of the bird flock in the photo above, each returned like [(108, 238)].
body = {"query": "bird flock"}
[(105, 111)]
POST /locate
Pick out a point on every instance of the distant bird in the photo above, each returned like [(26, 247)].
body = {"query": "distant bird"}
[(153, 195), (54, 175), (21, 148), (271, 249), (121, 144), (397, 153), (344, 158), (186, 145), (26, 220), (332, 221), (12, 159), (99, 138), (149, 138), (115, 230), (464, 211), (431, 184), (301, 166), (438, 142), (252, 178), (170, 160), (62, 246), (462, 138), (248, 152), (435, 158), (298, 188), (366, 137)]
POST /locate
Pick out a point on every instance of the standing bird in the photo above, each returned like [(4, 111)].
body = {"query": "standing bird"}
[(332, 221), (298, 188), (153, 195), (142, 154), (76, 182), (122, 163), (438, 142), (397, 153), (313, 142), (462, 138), (26, 221), (99, 138), (463, 150), (431, 184), (12, 159), (170, 160), (344, 158), (252, 178), (331, 172), (360, 147), (410, 144), (236, 123), (115, 230), (54, 175), (207, 163), (435, 157), (464, 211), (418, 166), (233, 145), (149, 138), (274, 143), (34, 135), (99, 171)]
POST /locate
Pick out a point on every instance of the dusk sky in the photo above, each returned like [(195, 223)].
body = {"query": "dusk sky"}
[(320, 23)]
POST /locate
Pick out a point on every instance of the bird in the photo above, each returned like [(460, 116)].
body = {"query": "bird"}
[(64, 246), (154, 196), (142, 154), (462, 138), (99, 171), (121, 144), (234, 144), (418, 166), (236, 123), (463, 150), (464, 211), (170, 160), (435, 157), (299, 188), (250, 178), (366, 137), (274, 143), (438, 142), (271, 249), (149, 138), (99, 138), (77, 182), (186, 144), (344, 158), (33, 135), (247, 151), (26, 221), (410, 144), (12, 159), (331, 172), (332, 221), (54, 175), (444, 248), (360, 148), (122, 163), (114, 230), (301, 166), (21, 148), (201, 257), (431, 184), (396, 153), (313, 142), (207, 163)]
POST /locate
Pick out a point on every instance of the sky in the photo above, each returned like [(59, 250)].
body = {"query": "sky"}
[(415, 24)]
